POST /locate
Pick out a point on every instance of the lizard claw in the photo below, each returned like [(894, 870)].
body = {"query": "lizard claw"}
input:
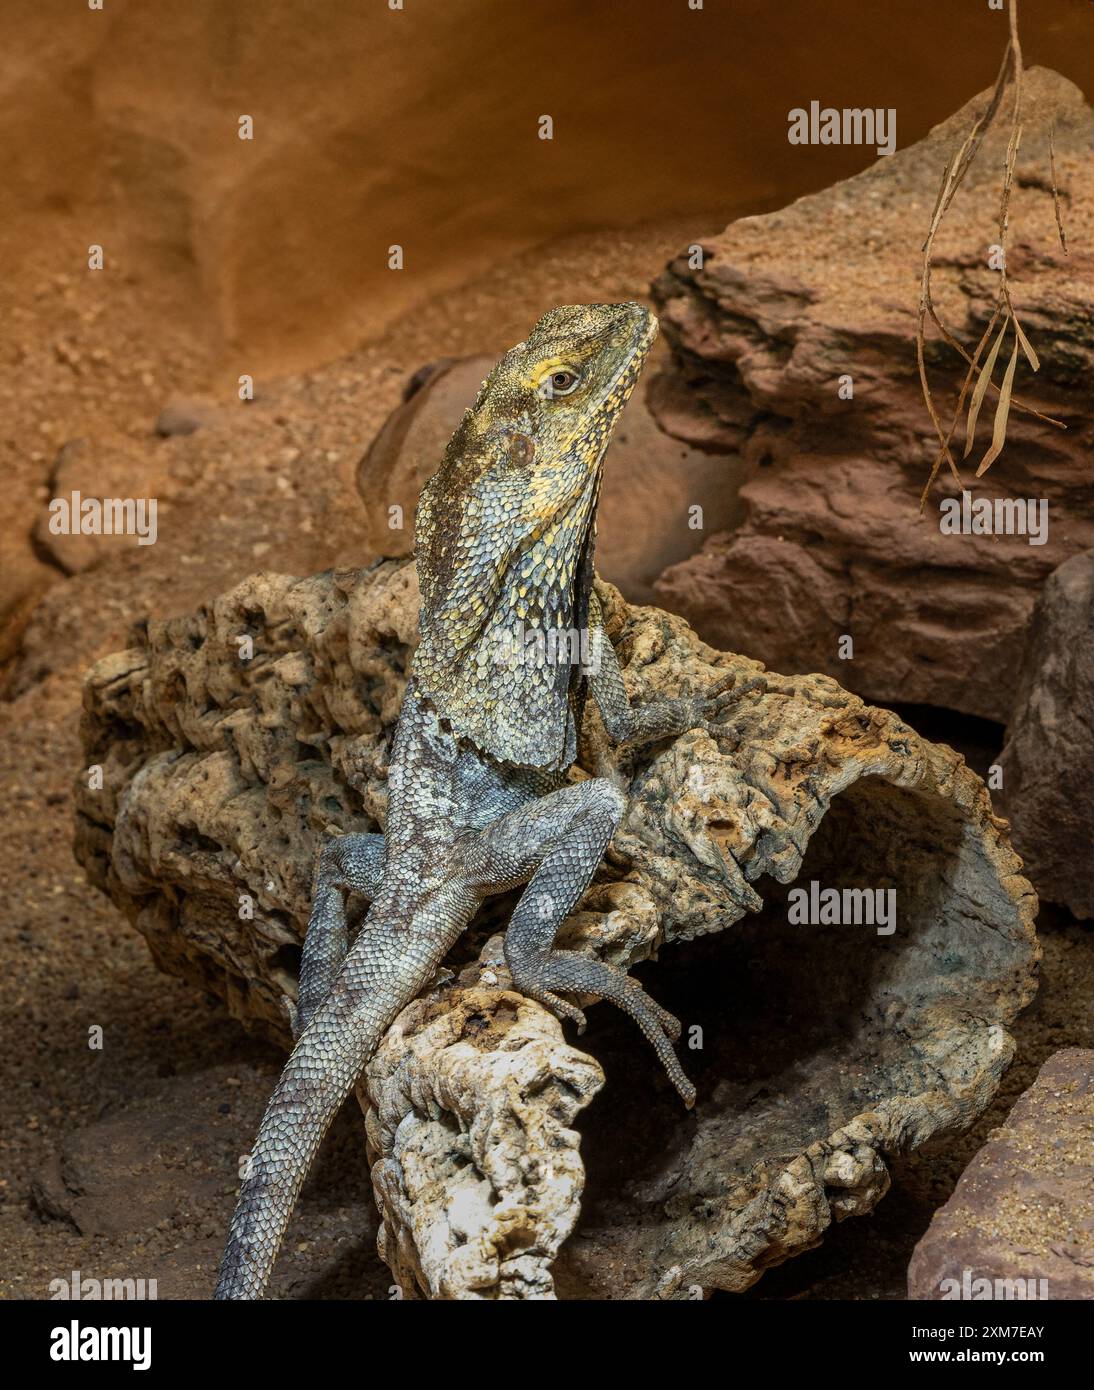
[(722, 696), (539, 975), (560, 1008), (670, 1024)]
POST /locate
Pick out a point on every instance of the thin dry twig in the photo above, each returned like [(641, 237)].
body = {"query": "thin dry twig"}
[(1056, 188), (959, 407), (999, 431)]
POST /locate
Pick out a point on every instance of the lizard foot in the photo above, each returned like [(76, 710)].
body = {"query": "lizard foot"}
[(712, 707), (538, 975)]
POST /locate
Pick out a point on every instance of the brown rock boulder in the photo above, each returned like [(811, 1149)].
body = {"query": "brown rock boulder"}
[(1048, 761), (832, 543), (119, 1174), (660, 497), (1020, 1223), (187, 415)]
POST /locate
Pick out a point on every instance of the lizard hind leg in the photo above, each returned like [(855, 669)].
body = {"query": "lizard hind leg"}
[(353, 862), (555, 844)]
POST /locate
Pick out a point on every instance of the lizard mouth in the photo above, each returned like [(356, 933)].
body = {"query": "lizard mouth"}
[(644, 330)]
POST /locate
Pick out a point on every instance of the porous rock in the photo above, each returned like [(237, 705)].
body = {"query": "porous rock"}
[(817, 1051), (469, 1105)]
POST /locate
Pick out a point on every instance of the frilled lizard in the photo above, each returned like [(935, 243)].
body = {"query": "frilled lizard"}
[(480, 801)]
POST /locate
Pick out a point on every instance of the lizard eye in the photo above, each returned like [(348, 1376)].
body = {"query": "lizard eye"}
[(560, 383)]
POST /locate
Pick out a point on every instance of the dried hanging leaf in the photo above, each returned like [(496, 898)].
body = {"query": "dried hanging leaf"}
[(1027, 347), (999, 433), (1010, 77), (982, 386)]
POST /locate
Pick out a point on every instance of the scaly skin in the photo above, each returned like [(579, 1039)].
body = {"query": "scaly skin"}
[(479, 801)]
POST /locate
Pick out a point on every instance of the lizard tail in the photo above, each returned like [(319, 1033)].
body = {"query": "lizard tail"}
[(317, 1078)]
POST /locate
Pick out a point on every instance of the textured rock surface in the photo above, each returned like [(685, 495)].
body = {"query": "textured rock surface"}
[(469, 1103), (1048, 761), (832, 542), (1024, 1208), (100, 470), (817, 1051), (652, 482)]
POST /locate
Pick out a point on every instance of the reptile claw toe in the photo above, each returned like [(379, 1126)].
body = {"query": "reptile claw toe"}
[(578, 974), (561, 1009), (670, 1024), (726, 693), (553, 1004)]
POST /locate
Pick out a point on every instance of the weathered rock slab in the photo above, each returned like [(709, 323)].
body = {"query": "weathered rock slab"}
[(1020, 1223), (790, 306)]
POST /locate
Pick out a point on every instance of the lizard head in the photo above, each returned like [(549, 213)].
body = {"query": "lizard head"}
[(505, 533)]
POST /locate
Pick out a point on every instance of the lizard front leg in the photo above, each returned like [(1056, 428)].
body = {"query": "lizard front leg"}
[(555, 844), (348, 862), (639, 724)]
